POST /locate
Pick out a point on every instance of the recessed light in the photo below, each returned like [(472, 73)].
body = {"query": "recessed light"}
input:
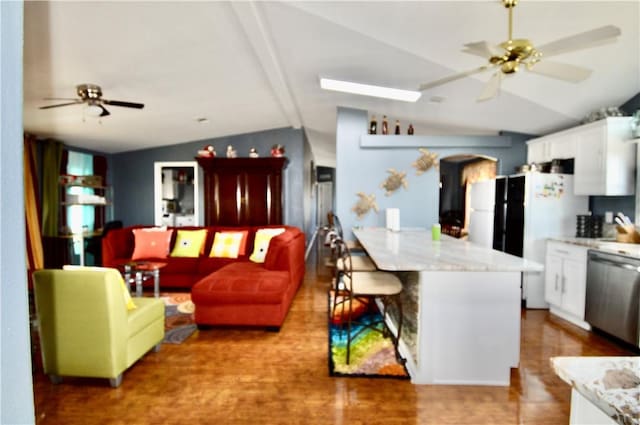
[(369, 90)]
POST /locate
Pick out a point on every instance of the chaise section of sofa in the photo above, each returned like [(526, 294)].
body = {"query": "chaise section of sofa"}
[(253, 294)]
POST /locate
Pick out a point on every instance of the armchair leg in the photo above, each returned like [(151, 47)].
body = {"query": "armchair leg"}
[(115, 382), (55, 379), (156, 348)]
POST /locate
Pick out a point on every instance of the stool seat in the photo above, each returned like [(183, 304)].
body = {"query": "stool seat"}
[(359, 263), (375, 284)]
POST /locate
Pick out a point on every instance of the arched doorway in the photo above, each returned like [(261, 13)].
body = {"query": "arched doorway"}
[(457, 174)]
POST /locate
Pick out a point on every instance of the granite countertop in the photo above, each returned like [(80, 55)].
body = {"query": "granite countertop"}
[(630, 249), (413, 250), (610, 383)]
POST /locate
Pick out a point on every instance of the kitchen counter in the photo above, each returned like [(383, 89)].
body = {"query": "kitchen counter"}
[(457, 298), (610, 384), (413, 249), (630, 249)]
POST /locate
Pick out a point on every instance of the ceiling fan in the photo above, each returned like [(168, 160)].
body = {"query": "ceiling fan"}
[(509, 56), (91, 94)]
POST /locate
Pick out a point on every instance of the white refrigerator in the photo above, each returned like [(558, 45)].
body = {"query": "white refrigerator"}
[(482, 197)]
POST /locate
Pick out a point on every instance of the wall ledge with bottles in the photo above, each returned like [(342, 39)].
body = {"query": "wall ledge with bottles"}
[(375, 141)]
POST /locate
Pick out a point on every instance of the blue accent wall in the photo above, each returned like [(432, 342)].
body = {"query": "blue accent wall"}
[(365, 169), (132, 173)]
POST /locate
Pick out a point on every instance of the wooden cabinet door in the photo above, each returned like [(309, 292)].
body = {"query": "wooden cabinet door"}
[(243, 191), (553, 280)]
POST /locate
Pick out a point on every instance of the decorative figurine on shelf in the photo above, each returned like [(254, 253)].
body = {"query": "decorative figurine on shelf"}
[(231, 152), (373, 125), (253, 153), (207, 152), (410, 130), (385, 125), (397, 131), (277, 151)]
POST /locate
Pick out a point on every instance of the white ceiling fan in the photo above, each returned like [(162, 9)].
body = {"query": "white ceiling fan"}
[(509, 56)]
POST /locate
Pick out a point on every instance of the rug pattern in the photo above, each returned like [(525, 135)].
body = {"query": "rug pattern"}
[(179, 322), (372, 355)]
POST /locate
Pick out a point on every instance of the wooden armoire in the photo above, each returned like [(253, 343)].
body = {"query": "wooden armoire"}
[(243, 191)]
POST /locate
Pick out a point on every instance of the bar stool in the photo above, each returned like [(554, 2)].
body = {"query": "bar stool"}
[(367, 287)]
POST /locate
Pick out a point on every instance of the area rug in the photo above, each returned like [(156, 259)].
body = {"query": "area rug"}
[(372, 355), (179, 323)]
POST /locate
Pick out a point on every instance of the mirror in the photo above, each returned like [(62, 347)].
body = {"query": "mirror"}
[(176, 200)]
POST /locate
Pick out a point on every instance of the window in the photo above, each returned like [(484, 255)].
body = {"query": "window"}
[(80, 217)]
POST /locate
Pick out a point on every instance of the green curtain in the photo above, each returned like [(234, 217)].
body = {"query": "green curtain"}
[(51, 159)]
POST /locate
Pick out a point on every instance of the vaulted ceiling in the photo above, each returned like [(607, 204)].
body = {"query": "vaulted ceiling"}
[(251, 66)]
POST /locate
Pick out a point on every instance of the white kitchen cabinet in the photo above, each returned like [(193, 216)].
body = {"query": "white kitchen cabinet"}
[(565, 281), (605, 160), (553, 146)]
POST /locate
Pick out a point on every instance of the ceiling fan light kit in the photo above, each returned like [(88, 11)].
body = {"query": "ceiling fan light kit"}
[(370, 90), (507, 57), (91, 96)]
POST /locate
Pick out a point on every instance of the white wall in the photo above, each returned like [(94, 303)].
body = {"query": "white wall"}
[(16, 397)]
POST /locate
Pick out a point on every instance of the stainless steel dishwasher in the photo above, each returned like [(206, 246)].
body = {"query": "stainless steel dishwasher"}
[(613, 295)]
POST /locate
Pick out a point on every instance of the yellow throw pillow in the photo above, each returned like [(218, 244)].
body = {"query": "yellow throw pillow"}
[(189, 243), (128, 301), (261, 243), (226, 244)]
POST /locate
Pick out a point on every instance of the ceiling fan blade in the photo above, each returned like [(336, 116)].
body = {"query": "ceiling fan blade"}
[(579, 41), (482, 49), (561, 71), (125, 104), (453, 77), (104, 113), (61, 104), (492, 87)]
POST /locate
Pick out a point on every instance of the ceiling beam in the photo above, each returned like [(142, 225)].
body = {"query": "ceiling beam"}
[(260, 39)]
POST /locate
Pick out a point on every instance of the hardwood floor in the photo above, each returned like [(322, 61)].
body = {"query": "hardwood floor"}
[(250, 376)]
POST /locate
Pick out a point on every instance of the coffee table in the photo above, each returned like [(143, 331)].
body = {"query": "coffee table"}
[(141, 271)]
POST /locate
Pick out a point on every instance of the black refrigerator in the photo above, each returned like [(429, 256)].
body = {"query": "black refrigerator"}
[(508, 220)]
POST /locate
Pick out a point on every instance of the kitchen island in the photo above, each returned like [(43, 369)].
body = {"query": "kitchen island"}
[(461, 305)]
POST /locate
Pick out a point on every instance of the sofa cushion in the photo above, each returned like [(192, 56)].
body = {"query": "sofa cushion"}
[(241, 283), (151, 243), (261, 243), (189, 243), (227, 244)]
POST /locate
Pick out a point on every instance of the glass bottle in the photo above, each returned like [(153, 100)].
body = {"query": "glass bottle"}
[(373, 125), (385, 125), (410, 130), (397, 127)]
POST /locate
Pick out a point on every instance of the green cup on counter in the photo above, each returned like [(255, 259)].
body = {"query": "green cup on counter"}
[(435, 232)]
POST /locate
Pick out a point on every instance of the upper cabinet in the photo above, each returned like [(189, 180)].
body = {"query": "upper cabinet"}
[(604, 157)]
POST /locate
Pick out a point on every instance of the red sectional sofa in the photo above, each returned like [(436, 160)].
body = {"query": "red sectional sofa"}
[(227, 291)]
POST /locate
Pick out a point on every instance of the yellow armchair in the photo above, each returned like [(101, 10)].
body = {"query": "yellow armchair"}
[(85, 327)]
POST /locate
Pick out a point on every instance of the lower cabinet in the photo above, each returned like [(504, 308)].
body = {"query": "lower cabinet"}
[(565, 281)]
